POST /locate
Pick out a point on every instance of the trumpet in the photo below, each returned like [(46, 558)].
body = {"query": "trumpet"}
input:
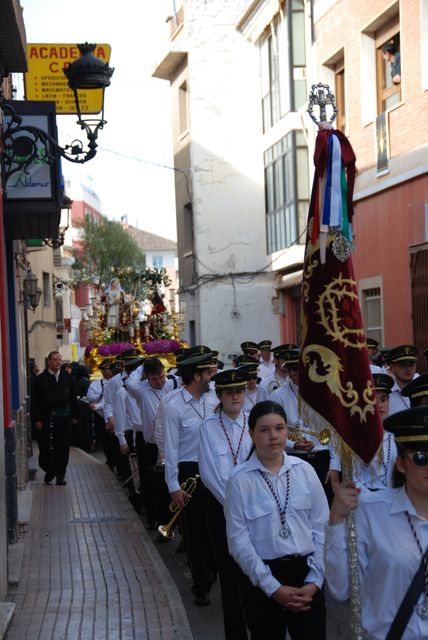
[(295, 434), (188, 486)]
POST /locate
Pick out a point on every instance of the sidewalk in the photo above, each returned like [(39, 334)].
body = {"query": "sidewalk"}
[(90, 571)]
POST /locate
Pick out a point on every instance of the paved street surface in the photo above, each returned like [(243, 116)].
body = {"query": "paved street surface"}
[(207, 622), (91, 572)]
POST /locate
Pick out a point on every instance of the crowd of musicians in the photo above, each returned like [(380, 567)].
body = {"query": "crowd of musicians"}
[(260, 497)]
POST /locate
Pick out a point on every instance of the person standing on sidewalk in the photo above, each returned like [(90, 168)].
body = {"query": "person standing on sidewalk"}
[(224, 442), (54, 408)]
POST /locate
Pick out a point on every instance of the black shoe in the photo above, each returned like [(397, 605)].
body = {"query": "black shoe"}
[(48, 478), (202, 600), (60, 482)]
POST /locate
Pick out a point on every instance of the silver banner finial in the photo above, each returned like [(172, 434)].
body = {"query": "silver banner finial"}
[(321, 96)]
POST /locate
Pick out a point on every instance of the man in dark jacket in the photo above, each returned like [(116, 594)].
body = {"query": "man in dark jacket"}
[(53, 407)]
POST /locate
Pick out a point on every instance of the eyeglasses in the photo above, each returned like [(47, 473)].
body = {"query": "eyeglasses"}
[(419, 458)]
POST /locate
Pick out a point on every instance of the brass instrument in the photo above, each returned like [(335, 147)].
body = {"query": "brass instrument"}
[(295, 434), (188, 487), (273, 385)]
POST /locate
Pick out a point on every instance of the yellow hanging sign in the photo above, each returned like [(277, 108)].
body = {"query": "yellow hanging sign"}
[(45, 79)]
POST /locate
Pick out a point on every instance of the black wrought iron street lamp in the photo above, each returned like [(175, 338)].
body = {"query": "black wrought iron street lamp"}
[(31, 292), (87, 73)]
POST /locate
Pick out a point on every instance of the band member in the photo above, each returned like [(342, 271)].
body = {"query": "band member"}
[(276, 512), (53, 407), (266, 363), (96, 397), (392, 539), (224, 442), (252, 384), (250, 348), (305, 444), (417, 391), (279, 377), (183, 416), (402, 365), (148, 393), (378, 474)]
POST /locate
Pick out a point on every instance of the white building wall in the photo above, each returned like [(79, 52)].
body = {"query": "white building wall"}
[(227, 179)]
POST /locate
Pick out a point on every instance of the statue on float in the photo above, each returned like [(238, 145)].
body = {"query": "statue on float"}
[(117, 308)]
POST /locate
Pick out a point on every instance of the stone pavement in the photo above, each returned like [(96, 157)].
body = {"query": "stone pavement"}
[(90, 571)]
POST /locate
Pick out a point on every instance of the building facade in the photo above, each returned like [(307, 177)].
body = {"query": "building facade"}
[(279, 33), (160, 253), (383, 113), (226, 284)]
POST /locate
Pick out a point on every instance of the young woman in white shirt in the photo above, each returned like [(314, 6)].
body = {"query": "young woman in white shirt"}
[(276, 512), (392, 531), (224, 442)]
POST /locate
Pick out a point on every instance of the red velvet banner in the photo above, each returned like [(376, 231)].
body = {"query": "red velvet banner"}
[(335, 381)]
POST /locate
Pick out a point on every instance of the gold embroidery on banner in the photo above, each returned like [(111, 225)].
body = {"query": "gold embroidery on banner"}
[(331, 369), (340, 290)]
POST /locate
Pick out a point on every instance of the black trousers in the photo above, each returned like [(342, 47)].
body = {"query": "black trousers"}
[(320, 461), (147, 455), (235, 627), (267, 619), (54, 445), (199, 549)]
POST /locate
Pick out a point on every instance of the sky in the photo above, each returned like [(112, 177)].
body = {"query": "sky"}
[(137, 106)]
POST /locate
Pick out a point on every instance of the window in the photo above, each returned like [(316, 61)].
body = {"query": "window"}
[(46, 290), (372, 313), (283, 64), (379, 92), (188, 228), (59, 309), (339, 82), (388, 72), (183, 108), (286, 190), (157, 262)]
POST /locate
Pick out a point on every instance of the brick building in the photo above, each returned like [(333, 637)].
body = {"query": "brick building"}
[(387, 125)]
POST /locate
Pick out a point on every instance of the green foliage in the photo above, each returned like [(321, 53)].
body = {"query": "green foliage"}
[(106, 251)]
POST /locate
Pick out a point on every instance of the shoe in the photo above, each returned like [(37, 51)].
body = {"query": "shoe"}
[(202, 600), (60, 482), (48, 478)]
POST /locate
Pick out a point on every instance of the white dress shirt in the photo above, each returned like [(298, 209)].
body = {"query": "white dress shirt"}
[(266, 369), (397, 402), (250, 400), (95, 395), (388, 558), (268, 385), (287, 397), (123, 407), (216, 461), (160, 421), (253, 520), (113, 385), (377, 474), (148, 399), (183, 416)]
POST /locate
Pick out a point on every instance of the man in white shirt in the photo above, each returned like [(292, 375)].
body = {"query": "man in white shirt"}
[(280, 375), (402, 366), (95, 395), (183, 416), (148, 393), (266, 363)]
